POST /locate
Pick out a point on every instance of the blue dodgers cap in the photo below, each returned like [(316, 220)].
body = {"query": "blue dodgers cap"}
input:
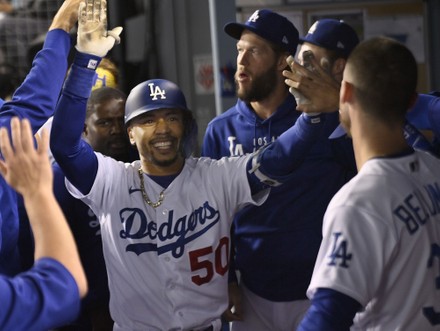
[(270, 26), (333, 35)]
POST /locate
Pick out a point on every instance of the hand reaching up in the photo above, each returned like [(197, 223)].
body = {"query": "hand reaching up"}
[(93, 37)]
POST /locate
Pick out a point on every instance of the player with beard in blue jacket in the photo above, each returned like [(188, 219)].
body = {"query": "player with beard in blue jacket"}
[(276, 244)]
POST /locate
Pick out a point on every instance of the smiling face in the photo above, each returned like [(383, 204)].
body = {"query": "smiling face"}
[(105, 131), (158, 136)]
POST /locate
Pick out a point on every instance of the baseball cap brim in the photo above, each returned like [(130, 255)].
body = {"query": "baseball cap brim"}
[(147, 109), (306, 39), (236, 29), (309, 39), (338, 132)]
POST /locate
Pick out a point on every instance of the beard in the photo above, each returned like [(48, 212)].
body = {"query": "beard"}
[(164, 163), (261, 86)]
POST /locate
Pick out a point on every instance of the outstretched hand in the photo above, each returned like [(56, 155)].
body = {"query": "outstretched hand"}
[(318, 86), (93, 37), (25, 168)]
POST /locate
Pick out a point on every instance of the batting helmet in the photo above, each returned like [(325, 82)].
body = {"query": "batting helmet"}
[(152, 95), (157, 94)]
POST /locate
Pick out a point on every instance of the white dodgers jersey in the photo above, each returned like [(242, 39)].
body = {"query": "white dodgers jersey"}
[(167, 266), (381, 244)]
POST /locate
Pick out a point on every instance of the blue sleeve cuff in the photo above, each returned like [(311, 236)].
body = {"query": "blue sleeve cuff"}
[(283, 157), (82, 76), (88, 61), (330, 311)]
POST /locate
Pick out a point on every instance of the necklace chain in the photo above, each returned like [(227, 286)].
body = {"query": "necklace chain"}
[(144, 193)]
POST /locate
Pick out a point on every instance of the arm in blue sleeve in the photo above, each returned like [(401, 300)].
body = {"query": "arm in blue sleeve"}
[(330, 311), (75, 157), (37, 96), (273, 164), (416, 139), (418, 115), (434, 116), (425, 115), (44, 297)]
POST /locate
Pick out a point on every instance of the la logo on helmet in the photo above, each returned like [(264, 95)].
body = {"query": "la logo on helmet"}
[(155, 91)]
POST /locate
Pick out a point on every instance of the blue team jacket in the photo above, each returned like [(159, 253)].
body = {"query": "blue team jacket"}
[(35, 99), (276, 244)]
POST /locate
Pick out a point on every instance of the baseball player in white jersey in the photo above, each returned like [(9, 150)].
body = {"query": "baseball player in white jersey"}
[(378, 265), (183, 243), (165, 219)]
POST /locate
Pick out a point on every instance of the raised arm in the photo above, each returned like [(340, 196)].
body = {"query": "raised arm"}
[(57, 281), (76, 157), (36, 97), (274, 164)]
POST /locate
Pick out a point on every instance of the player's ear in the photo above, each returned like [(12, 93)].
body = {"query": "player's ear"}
[(282, 62), (346, 92), (339, 66), (130, 135)]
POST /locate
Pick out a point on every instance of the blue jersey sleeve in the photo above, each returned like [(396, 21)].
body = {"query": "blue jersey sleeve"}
[(44, 297), (434, 116), (75, 157), (330, 311), (274, 164), (425, 115), (37, 96), (418, 115), (34, 99)]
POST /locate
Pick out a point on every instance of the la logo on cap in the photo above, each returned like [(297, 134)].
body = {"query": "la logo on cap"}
[(313, 27), (254, 17), (155, 91)]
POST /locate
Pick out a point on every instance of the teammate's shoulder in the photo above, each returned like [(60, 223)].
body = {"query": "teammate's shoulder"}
[(227, 116), (355, 190)]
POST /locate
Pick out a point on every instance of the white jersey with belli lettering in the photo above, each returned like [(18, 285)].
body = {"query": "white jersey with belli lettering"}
[(381, 244), (167, 266)]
